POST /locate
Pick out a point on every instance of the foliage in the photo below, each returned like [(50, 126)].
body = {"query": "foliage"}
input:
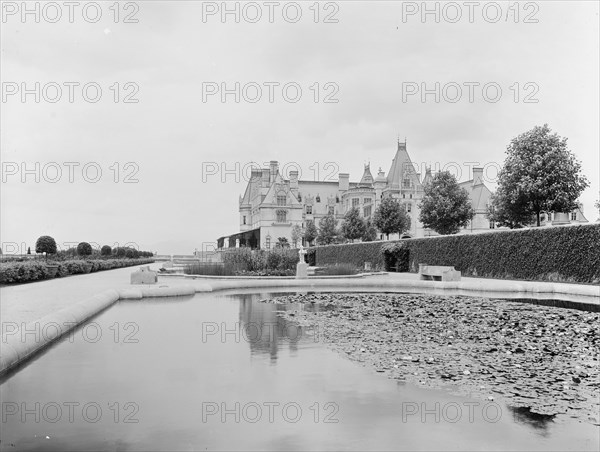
[(244, 259), (396, 256), (370, 234), (445, 206), (355, 254), (354, 226), (567, 253), (390, 217), (296, 234), (84, 249), (328, 232), (504, 213), (22, 272), (105, 250), (282, 242), (310, 232), (45, 244), (539, 174)]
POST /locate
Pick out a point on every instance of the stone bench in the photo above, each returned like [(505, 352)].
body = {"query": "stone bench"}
[(438, 273)]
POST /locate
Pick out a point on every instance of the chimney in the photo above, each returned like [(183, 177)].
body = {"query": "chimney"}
[(255, 175), (265, 177), (293, 180), (344, 181), (273, 168), (477, 176)]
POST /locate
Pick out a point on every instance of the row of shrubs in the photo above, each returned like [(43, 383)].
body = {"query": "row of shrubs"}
[(248, 262), (568, 254), (22, 272)]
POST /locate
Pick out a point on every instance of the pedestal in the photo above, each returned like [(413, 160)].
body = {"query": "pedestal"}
[(302, 270)]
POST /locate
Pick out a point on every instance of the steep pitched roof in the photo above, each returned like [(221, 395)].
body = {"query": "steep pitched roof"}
[(401, 166), (367, 177)]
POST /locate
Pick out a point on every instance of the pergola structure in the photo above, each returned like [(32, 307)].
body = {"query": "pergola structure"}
[(249, 238)]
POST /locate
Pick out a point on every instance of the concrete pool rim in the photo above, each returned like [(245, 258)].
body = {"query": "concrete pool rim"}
[(22, 344)]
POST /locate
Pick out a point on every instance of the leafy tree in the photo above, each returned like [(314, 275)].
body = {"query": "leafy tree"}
[(390, 217), (310, 233), (282, 242), (354, 226), (28, 250), (84, 249), (504, 213), (120, 251), (370, 232), (129, 253), (296, 234), (327, 230), (540, 174), (445, 206), (45, 244), (106, 250)]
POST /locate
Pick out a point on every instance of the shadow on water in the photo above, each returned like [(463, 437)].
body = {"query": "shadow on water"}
[(524, 415)]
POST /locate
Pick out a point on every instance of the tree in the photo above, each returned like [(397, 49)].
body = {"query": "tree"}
[(28, 250), (503, 213), (310, 233), (106, 250), (540, 174), (296, 234), (390, 217), (327, 230), (84, 249), (354, 226), (45, 244), (282, 242), (445, 206), (370, 232)]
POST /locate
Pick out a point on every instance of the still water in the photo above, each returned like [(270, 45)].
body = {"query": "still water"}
[(224, 372)]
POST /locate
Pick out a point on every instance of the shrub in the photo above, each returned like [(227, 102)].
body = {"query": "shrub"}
[(45, 244), (129, 253), (106, 251), (84, 249), (353, 253), (21, 272), (396, 256), (339, 270)]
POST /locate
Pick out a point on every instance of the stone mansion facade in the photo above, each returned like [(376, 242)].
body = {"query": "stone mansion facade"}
[(272, 205)]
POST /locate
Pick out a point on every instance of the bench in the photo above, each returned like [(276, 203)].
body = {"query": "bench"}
[(438, 273)]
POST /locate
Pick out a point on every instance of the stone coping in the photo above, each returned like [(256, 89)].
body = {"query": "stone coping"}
[(17, 347)]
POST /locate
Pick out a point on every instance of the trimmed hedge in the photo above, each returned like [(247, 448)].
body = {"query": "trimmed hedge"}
[(21, 272), (567, 253), (355, 254)]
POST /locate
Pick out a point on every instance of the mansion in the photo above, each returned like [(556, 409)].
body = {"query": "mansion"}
[(271, 205)]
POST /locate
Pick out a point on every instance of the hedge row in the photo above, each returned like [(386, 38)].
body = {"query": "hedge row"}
[(569, 254), (355, 254), (21, 272)]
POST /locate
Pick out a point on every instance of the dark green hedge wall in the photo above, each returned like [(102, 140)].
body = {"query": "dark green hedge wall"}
[(352, 253), (570, 253)]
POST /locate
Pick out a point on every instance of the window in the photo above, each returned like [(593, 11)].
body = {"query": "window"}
[(299, 197), (281, 216), (330, 210), (367, 211), (403, 195), (337, 199), (268, 242), (281, 200), (244, 219), (573, 216), (409, 207), (318, 198), (367, 201), (406, 183), (410, 196), (355, 202), (309, 210)]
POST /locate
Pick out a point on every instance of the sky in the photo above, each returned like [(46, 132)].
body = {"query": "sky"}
[(139, 122)]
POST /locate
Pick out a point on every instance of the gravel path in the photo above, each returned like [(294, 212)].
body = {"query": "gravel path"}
[(533, 357)]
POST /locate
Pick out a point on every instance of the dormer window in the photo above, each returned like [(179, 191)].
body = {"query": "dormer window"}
[(309, 210), (318, 198), (281, 200), (299, 197), (337, 199)]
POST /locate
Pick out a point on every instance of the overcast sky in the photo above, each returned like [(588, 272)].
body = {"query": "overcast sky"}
[(175, 142)]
